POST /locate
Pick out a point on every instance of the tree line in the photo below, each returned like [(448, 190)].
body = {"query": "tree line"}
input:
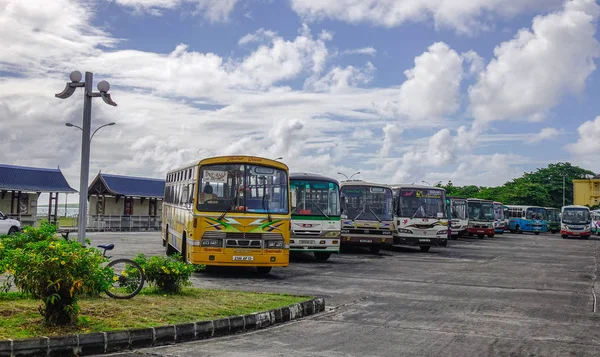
[(543, 187)]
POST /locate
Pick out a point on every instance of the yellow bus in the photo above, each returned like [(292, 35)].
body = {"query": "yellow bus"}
[(229, 211)]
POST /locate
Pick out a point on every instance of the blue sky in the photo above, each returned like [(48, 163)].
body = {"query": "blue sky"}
[(406, 90)]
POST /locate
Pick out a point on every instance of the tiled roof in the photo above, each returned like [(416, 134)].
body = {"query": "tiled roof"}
[(33, 179), (132, 186)]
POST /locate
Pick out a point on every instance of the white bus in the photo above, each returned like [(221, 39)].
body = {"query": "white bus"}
[(595, 216), (420, 216), (458, 211), (367, 218), (575, 221), (481, 218), (315, 215), (499, 219)]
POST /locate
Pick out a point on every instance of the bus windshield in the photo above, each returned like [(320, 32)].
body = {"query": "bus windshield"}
[(536, 213), (421, 203), (553, 215), (459, 209), (315, 198), (368, 202), (242, 188), (483, 211), (498, 212), (576, 216)]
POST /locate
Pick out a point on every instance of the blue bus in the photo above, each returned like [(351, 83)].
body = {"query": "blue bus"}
[(530, 219)]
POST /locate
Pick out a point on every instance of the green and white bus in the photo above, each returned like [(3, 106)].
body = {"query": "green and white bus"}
[(315, 215)]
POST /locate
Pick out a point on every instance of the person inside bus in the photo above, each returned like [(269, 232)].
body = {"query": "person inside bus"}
[(207, 188)]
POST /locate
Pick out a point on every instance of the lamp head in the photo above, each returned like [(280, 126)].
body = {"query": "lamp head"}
[(110, 124), (103, 86), (75, 76), (69, 124)]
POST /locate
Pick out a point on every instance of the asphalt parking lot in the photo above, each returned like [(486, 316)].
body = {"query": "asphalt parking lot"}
[(511, 295)]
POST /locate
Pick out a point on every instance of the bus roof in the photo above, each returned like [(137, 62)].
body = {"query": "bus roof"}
[(406, 185), (311, 176), (576, 206), (456, 198), (479, 200), (522, 206), (552, 208), (215, 160), (363, 183)]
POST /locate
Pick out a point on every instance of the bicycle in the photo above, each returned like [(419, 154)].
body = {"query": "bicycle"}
[(128, 279)]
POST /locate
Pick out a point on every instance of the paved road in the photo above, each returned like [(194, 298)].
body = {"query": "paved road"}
[(512, 295)]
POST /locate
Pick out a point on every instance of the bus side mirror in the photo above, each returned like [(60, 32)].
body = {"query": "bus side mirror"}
[(343, 204)]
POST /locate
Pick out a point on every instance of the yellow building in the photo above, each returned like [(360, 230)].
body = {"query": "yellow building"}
[(586, 192)]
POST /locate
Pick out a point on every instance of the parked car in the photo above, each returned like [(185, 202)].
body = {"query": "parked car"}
[(8, 225)]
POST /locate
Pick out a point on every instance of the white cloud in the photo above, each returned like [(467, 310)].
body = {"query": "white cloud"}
[(534, 70), (587, 143), (391, 137), (544, 134), (213, 10), (341, 79), (432, 88), (369, 51), (260, 35), (462, 16)]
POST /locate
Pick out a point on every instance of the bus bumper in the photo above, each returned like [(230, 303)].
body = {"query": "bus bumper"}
[(367, 240), (315, 245), (481, 231), (582, 234), (241, 259), (421, 241)]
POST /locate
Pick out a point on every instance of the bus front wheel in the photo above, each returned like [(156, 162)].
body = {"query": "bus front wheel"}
[(537, 233), (263, 270), (425, 248), (481, 236), (322, 256)]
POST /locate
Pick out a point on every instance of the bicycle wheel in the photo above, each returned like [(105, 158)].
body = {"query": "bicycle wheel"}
[(128, 279)]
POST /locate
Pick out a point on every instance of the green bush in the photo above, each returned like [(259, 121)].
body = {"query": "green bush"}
[(167, 274), (54, 270)]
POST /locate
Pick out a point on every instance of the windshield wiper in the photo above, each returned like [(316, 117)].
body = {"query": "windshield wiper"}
[(231, 205), (320, 210), (266, 206), (418, 210), (358, 215), (373, 213)]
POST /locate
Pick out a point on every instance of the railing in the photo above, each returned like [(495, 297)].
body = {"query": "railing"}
[(123, 223)]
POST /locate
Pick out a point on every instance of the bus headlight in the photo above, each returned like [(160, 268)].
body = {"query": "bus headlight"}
[(211, 242), (274, 244), (332, 234), (406, 231), (442, 232)]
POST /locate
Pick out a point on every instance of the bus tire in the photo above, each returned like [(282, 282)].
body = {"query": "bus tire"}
[(375, 249), (263, 270), (564, 236), (481, 236), (536, 233), (322, 256), (425, 248), (491, 235)]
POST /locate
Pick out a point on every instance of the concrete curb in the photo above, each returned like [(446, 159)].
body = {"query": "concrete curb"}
[(116, 341)]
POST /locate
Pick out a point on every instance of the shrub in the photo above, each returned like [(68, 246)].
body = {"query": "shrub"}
[(167, 274), (54, 270)]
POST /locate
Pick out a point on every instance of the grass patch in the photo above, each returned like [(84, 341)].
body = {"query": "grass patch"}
[(19, 317), (62, 221)]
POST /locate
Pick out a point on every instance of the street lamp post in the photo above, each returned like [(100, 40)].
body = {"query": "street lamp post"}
[(564, 190), (426, 182), (351, 176), (88, 94)]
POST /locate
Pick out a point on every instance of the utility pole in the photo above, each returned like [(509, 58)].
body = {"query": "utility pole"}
[(564, 190), (88, 94)]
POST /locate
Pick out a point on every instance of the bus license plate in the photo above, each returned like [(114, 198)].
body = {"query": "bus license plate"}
[(424, 240), (248, 257), (306, 242), (480, 231), (366, 241)]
